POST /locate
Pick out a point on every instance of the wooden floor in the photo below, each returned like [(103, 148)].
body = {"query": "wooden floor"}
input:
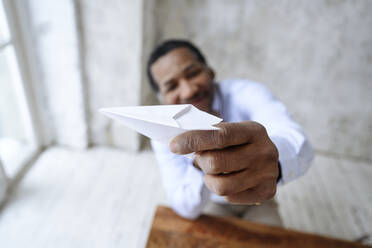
[(106, 198), (333, 198)]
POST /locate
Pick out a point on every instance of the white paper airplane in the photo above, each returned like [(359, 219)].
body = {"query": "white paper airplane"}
[(163, 122)]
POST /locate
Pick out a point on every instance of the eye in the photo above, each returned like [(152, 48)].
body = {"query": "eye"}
[(171, 87), (193, 73)]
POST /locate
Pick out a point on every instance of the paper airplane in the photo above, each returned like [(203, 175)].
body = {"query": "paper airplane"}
[(163, 122)]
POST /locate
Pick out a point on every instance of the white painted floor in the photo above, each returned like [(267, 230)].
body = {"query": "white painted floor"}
[(106, 198), (334, 199)]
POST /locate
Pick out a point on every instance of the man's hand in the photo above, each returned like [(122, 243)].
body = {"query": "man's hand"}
[(239, 160)]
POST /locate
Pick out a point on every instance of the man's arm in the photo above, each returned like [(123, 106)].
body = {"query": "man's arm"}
[(183, 183), (241, 159), (295, 151)]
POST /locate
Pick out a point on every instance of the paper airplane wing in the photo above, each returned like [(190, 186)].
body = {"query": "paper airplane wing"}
[(163, 122), (158, 132), (191, 118)]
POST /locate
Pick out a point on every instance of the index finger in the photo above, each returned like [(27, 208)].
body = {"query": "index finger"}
[(229, 134)]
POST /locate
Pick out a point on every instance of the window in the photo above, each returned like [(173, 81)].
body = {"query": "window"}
[(18, 137)]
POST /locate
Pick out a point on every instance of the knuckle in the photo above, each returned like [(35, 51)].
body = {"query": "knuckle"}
[(274, 154), (216, 161), (192, 143), (267, 193), (212, 158), (259, 128), (270, 152), (220, 188), (272, 192), (275, 172), (220, 136), (262, 195), (208, 163)]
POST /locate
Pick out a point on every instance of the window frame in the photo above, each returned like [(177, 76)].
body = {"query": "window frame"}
[(20, 38)]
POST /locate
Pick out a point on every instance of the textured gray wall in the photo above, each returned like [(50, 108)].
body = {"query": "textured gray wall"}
[(316, 56), (54, 42), (111, 34)]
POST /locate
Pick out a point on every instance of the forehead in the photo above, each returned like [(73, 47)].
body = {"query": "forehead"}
[(172, 63)]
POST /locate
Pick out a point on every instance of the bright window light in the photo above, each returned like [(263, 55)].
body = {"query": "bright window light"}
[(17, 140), (4, 30)]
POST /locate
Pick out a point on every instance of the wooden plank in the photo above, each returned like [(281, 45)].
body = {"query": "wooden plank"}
[(170, 230)]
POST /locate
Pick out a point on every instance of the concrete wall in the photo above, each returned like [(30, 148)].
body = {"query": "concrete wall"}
[(52, 32), (111, 34), (87, 56), (316, 56)]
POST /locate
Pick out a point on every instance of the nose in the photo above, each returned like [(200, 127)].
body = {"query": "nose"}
[(188, 90)]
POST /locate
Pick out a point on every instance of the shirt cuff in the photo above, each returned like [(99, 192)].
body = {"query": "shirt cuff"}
[(288, 160)]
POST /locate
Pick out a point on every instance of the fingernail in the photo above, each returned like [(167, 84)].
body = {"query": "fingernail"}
[(174, 147)]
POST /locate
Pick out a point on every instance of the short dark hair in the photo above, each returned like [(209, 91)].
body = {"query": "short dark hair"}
[(164, 48)]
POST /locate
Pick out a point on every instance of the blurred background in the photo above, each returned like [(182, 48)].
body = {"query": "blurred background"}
[(70, 177)]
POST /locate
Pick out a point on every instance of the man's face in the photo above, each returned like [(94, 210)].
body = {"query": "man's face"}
[(183, 79)]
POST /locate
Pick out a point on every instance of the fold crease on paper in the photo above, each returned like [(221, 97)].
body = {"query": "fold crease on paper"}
[(163, 122)]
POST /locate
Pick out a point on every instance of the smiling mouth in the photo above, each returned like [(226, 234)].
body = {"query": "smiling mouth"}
[(198, 98)]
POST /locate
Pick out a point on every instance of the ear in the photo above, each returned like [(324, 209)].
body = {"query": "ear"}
[(211, 73)]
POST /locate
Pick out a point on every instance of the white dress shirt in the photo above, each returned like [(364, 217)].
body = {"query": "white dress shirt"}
[(235, 101)]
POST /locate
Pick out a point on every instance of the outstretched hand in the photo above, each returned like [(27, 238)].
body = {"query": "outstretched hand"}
[(239, 160)]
